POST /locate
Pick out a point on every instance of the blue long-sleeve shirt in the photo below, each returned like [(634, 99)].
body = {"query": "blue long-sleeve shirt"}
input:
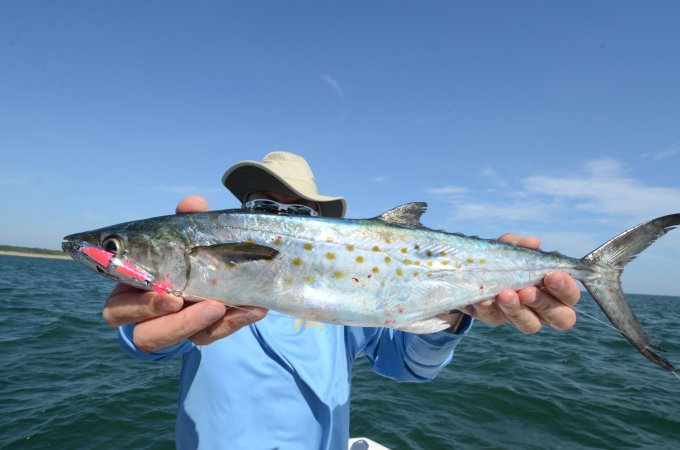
[(285, 383)]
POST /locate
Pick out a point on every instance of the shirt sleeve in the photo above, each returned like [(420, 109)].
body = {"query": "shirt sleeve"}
[(162, 354), (405, 356)]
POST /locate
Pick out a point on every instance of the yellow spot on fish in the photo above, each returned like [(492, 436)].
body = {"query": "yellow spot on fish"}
[(309, 279), (415, 274), (337, 274), (329, 239), (376, 270), (297, 262), (375, 248), (388, 241), (429, 264), (442, 253), (404, 250), (360, 259), (482, 261), (308, 246), (444, 262), (407, 261), (249, 241), (277, 242), (416, 263), (399, 272), (288, 281), (388, 259), (330, 255), (470, 260), (350, 248)]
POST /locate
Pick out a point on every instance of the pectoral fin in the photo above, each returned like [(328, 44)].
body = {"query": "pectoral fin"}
[(234, 253)]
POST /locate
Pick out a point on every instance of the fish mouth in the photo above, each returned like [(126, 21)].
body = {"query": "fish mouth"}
[(74, 244), (76, 250), (70, 247), (73, 249), (118, 268)]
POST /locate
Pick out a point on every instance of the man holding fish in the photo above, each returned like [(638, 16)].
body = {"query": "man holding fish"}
[(282, 382)]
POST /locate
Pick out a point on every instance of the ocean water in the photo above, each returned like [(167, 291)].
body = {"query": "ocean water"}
[(65, 383)]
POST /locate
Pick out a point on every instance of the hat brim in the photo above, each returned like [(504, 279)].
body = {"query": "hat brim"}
[(250, 176)]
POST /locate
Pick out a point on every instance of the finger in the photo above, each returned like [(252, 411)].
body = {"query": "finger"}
[(508, 238), (127, 304), (192, 204), (232, 321), (174, 328), (488, 312), (563, 287), (529, 242), (519, 315), (547, 308)]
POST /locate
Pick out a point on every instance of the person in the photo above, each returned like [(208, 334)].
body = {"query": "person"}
[(282, 382)]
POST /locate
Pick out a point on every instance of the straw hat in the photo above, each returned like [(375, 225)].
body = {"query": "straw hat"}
[(282, 172)]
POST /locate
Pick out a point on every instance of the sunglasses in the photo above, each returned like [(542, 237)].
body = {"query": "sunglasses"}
[(280, 208)]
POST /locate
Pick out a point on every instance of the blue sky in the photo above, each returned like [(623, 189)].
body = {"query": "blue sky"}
[(558, 119)]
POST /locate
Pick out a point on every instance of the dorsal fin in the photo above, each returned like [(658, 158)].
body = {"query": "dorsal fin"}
[(407, 215)]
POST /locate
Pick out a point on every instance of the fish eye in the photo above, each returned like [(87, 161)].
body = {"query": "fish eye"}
[(113, 244)]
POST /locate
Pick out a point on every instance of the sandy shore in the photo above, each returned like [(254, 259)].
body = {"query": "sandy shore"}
[(34, 255)]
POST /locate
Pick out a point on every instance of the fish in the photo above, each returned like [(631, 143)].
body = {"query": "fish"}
[(386, 271)]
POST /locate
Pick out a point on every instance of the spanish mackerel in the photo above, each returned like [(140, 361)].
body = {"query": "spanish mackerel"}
[(388, 271)]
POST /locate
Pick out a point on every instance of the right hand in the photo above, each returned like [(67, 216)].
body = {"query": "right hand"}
[(531, 306), (163, 319)]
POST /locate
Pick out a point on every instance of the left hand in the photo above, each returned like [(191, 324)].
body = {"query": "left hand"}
[(531, 306)]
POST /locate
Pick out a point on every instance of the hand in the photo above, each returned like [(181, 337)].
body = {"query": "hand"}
[(164, 319), (527, 308)]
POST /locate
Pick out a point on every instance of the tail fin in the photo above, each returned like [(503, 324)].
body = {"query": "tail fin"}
[(606, 290)]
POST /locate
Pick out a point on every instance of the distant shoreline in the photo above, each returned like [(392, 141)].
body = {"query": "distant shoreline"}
[(33, 255)]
